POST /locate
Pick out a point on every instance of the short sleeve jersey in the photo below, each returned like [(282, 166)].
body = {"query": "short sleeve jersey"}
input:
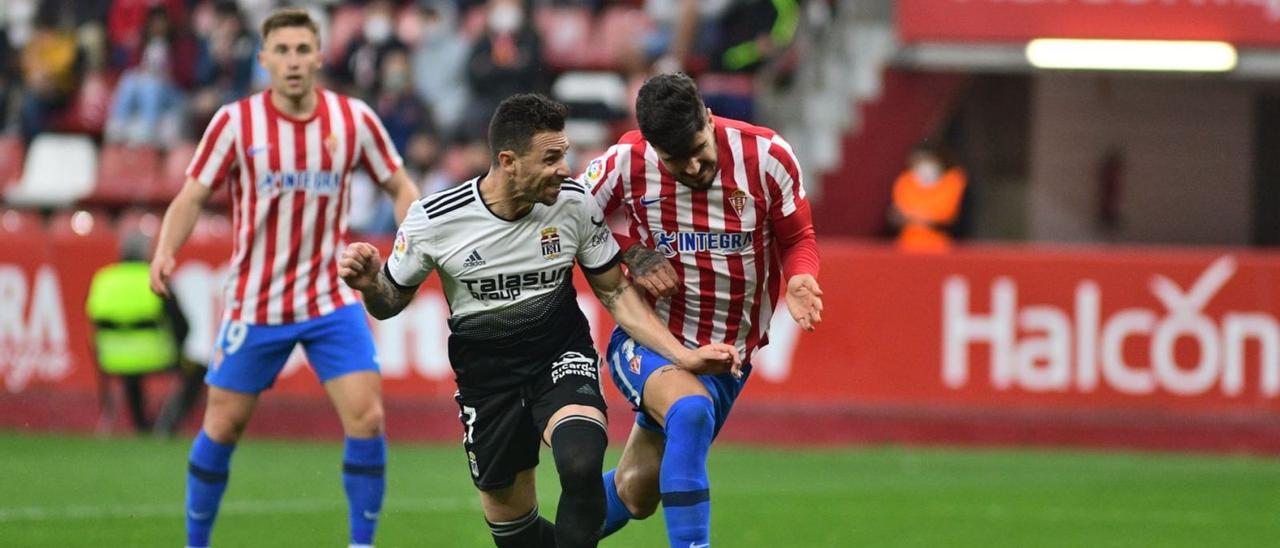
[(509, 284)]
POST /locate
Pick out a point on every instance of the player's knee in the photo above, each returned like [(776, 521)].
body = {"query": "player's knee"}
[(578, 445), (367, 423), (692, 416), (638, 489), (224, 429)]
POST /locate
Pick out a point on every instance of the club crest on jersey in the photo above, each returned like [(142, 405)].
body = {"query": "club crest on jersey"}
[(670, 244), (739, 201), (550, 243), (331, 144)]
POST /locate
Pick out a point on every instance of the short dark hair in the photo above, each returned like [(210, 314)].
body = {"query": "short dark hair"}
[(671, 113), (521, 116), (289, 17)]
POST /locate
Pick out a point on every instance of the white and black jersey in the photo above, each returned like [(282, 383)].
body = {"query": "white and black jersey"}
[(509, 284)]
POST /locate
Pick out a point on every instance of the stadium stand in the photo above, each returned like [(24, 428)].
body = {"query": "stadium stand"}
[(59, 170), (126, 175)]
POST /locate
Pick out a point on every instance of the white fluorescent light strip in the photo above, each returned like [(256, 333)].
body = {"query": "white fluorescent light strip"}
[(1155, 55)]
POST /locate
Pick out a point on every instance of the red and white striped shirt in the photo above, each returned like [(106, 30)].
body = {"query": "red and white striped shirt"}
[(722, 241), (290, 191)]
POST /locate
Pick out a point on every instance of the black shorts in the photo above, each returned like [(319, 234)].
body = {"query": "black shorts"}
[(502, 429)]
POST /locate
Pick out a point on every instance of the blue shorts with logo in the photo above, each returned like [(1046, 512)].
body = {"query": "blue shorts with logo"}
[(631, 364), (248, 358)]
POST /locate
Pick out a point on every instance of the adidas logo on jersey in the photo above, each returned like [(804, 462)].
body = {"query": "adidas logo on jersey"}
[(474, 259)]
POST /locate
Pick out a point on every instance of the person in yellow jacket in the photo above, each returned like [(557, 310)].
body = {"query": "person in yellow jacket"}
[(926, 200), (136, 333)]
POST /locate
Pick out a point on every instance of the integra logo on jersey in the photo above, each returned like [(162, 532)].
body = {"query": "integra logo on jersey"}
[(510, 286), (319, 182), (671, 244)]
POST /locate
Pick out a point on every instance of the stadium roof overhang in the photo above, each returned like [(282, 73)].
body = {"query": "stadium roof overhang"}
[(1237, 38)]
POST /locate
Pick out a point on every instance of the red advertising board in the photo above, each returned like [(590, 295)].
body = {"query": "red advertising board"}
[(1003, 344), (1242, 22)]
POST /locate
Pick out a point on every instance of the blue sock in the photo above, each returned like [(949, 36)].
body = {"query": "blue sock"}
[(206, 481), (364, 461), (686, 492), (616, 513)]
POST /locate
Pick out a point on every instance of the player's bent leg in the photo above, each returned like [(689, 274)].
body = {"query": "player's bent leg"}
[(226, 414), (358, 399), (512, 515), (578, 437), (688, 417), (631, 489)]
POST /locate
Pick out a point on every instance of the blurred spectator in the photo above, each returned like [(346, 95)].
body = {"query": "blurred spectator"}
[(439, 66), (136, 333), (8, 70), (363, 61), (505, 60), (225, 62), (422, 161), (398, 104), (685, 32), (926, 200), (127, 25), (147, 108), (226, 56), (753, 32), (52, 68)]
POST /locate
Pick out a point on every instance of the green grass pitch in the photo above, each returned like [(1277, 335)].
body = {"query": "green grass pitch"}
[(77, 491)]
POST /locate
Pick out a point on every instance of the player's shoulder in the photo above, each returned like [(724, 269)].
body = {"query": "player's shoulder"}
[(631, 138), (574, 191), (747, 129), (446, 203)]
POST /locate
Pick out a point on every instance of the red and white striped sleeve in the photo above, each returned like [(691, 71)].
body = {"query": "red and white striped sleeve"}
[(789, 211), (215, 155), (784, 177), (377, 153), (603, 178)]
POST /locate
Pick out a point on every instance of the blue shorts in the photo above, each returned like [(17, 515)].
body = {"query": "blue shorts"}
[(247, 358), (631, 364)]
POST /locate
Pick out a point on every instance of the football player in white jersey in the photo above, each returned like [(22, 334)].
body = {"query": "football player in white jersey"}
[(504, 245)]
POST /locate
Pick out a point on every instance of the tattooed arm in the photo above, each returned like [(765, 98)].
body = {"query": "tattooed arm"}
[(636, 318), (361, 268), (650, 270)]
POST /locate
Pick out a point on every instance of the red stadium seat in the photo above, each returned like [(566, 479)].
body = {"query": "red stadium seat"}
[(566, 37), (173, 173), (126, 175), (17, 221), (619, 28), (12, 152)]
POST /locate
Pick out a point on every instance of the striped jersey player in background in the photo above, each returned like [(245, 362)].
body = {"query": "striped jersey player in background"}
[(717, 222), (287, 155)]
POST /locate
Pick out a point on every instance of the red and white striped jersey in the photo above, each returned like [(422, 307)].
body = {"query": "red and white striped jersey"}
[(721, 241), (290, 183)]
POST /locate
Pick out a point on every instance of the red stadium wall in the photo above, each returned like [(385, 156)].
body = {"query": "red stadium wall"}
[(1011, 345)]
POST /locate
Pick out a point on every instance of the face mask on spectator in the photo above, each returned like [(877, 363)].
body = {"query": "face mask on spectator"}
[(927, 173), (377, 28), (505, 18)]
